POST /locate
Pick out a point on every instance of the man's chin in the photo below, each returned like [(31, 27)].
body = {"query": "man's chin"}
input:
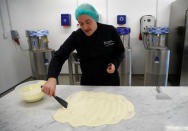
[(88, 34)]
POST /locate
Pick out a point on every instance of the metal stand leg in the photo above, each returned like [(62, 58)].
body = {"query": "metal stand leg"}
[(71, 80), (76, 72)]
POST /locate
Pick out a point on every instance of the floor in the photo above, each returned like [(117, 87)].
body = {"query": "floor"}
[(137, 80)]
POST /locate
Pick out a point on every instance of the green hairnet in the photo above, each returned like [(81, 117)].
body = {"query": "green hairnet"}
[(87, 9)]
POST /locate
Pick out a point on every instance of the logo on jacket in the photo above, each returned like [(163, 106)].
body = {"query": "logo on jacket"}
[(108, 43)]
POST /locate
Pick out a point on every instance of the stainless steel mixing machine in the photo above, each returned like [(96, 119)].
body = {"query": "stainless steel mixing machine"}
[(40, 54), (157, 57)]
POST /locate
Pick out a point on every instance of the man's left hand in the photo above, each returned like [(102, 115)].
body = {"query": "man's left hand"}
[(111, 68)]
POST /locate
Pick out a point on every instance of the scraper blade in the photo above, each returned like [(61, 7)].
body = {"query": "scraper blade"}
[(160, 95), (61, 101)]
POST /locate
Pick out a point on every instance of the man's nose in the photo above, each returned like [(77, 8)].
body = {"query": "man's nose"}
[(85, 27)]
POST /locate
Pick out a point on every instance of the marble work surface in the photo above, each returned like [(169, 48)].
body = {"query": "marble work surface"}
[(153, 112)]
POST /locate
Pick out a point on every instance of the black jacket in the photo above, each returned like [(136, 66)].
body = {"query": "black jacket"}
[(104, 46)]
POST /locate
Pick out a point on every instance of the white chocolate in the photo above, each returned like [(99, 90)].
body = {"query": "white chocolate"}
[(32, 92), (95, 109)]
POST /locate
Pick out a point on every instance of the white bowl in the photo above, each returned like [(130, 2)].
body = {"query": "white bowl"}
[(31, 91)]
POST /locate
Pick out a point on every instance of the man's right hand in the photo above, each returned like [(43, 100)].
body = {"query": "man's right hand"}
[(49, 87)]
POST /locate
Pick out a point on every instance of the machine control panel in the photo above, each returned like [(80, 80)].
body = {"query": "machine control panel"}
[(65, 20), (146, 22), (121, 19)]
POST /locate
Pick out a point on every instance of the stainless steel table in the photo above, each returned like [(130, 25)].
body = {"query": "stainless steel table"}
[(152, 114)]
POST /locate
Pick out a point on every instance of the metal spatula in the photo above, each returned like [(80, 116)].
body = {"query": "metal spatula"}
[(61, 101)]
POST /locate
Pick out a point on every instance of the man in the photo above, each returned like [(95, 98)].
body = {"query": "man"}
[(99, 47)]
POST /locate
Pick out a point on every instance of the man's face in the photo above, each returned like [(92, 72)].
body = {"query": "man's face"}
[(87, 24)]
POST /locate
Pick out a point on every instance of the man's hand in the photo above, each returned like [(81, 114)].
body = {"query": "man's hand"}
[(49, 87), (111, 68)]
